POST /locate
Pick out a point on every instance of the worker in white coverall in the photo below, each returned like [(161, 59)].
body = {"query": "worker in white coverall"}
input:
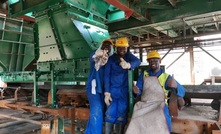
[(116, 86), (95, 87), (168, 83)]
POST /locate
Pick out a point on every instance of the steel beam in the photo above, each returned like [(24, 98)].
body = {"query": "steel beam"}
[(176, 60), (122, 6), (203, 91), (166, 53), (210, 55), (129, 9)]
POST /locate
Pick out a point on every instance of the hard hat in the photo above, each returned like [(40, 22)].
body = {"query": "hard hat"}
[(122, 42), (108, 40), (153, 54)]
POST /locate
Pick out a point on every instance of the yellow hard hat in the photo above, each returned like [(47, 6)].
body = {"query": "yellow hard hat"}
[(108, 40), (122, 42), (153, 54)]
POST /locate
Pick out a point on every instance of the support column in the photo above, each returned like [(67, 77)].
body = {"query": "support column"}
[(131, 98), (46, 127), (141, 54), (36, 92), (53, 87), (58, 125), (192, 72)]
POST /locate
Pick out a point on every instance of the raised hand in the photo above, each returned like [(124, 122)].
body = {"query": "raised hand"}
[(124, 64), (172, 82)]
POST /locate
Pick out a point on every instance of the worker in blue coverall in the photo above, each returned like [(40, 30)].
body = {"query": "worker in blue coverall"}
[(168, 83), (116, 86), (95, 87)]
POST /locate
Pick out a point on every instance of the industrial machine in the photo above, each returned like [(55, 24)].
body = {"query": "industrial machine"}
[(45, 47)]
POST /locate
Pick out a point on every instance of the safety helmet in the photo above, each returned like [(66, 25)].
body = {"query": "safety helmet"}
[(153, 54), (122, 42), (108, 40)]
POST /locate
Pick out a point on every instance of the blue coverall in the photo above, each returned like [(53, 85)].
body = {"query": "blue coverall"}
[(180, 92), (96, 101), (116, 83)]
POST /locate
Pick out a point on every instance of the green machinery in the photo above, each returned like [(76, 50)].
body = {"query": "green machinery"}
[(56, 47)]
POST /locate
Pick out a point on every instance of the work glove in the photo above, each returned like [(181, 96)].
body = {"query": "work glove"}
[(99, 53), (124, 64), (105, 53), (104, 57), (100, 58), (107, 98)]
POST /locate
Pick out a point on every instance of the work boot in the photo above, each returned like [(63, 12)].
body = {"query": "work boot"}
[(119, 128), (108, 128)]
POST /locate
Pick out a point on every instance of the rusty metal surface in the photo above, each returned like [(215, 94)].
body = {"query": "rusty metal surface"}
[(216, 132), (70, 99), (75, 97), (82, 113), (212, 127), (65, 112), (55, 112), (45, 127), (78, 89), (71, 128), (55, 129), (183, 126)]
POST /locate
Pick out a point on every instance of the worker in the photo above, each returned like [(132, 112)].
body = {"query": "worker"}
[(95, 87), (169, 84), (116, 86)]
